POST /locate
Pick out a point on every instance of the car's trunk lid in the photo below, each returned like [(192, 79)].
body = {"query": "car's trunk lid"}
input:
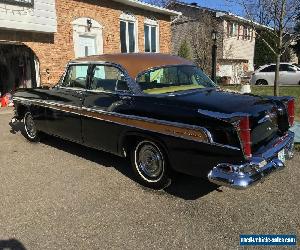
[(263, 112)]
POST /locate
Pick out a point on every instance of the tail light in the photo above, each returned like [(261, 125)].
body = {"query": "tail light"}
[(245, 135), (291, 111)]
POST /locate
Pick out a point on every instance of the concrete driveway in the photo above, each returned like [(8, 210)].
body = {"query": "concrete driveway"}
[(60, 195)]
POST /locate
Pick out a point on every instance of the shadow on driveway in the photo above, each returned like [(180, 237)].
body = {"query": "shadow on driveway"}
[(183, 186), (11, 244), (16, 127)]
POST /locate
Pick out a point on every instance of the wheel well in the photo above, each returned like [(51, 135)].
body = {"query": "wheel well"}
[(261, 80), (21, 111), (129, 141)]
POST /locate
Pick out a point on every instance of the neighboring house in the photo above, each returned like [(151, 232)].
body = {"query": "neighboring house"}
[(38, 37), (236, 39)]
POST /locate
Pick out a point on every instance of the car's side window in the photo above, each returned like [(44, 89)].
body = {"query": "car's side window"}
[(291, 68), (269, 69), (75, 77), (283, 67), (108, 78), (287, 67)]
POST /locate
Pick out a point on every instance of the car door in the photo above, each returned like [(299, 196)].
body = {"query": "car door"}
[(63, 112), (284, 75), (268, 74), (288, 74), (108, 96)]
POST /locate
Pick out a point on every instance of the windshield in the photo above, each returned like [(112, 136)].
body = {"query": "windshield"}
[(173, 79)]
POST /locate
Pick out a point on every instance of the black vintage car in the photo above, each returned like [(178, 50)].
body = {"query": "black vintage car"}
[(166, 115)]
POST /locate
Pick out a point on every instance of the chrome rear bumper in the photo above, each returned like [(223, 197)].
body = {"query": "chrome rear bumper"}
[(262, 164)]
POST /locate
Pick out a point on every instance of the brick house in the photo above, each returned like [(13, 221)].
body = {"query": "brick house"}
[(236, 39), (38, 37)]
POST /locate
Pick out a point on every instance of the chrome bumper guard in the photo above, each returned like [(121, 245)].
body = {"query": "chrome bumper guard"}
[(266, 161)]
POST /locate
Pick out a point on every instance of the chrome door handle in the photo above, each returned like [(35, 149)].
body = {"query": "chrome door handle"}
[(79, 92), (126, 97)]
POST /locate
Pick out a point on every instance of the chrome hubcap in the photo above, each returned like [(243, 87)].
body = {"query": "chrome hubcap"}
[(30, 126), (150, 161)]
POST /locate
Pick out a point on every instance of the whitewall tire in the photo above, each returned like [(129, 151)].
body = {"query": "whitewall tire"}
[(31, 132), (149, 164)]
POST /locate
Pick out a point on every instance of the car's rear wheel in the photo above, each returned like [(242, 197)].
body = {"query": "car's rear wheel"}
[(31, 132), (261, 82), (149, 164)]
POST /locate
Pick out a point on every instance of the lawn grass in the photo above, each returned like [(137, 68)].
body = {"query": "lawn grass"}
[(269, 90)]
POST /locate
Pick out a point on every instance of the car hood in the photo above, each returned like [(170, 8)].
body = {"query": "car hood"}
[(222, 101)]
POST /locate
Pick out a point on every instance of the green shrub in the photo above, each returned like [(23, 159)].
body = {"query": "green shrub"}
[(184, 50)]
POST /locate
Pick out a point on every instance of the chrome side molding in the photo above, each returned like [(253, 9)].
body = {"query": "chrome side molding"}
[(176, 129)]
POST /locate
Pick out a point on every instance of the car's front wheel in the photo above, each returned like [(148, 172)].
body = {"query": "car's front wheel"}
[(31, 132), (149, 164)]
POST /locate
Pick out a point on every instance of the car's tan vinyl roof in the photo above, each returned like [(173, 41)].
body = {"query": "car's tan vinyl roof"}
[(136, 63)]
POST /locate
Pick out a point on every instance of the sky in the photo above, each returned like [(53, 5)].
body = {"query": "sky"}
[(227, 5)]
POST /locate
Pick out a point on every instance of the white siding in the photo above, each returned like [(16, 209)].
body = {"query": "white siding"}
[(39, 18)]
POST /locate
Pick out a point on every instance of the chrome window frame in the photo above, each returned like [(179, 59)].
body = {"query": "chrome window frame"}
[(59, 85), (124, 72), (132, 85)]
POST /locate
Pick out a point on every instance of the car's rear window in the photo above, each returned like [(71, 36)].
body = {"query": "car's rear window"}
[(171, 79)]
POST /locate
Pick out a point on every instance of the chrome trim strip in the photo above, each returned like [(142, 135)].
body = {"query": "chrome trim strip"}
[(73, 88), (162, 124), (219, 115)]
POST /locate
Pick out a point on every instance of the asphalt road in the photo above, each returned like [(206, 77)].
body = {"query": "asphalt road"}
[(59, 195)]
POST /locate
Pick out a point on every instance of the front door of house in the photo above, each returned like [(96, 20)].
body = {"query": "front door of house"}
[(87, 46)]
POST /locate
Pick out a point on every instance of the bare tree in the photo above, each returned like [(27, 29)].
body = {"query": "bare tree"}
[(201, 45), (278, 18)]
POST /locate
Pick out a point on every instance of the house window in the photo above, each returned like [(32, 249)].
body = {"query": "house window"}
[(252, 34), (246, 33), (151, 35), (236, 29), (150, 38), (128, 34), (230, 29)]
